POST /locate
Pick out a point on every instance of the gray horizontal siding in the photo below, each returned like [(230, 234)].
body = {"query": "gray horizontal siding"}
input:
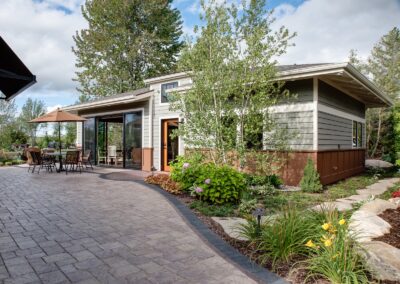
[(301, 91), (334, 131), (332, 97), (299, 126)]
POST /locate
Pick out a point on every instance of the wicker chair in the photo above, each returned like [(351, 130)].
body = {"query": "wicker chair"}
[(72, 160), (85, 160)]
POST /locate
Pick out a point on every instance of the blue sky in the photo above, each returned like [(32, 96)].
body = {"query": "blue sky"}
[(40, 32)]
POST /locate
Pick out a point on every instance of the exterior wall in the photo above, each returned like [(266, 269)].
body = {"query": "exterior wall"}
[(299, 125), (161, 111), (334, 132), (340, 164), (301, 91), (334, 98)]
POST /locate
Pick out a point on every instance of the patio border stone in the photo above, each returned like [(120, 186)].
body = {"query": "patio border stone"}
[(251, 269)]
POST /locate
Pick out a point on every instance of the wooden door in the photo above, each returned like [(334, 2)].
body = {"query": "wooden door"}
[(169, 145)]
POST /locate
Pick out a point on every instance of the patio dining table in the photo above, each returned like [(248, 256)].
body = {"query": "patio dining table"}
[(59, 157)]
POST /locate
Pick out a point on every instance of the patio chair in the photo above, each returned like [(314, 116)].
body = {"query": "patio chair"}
[(101, 157), (35, 159), (112, 154), (85, 160), (72, 160)]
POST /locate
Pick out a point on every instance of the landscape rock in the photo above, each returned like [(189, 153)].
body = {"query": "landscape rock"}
[(367, 225), (377, 206), (341, 206), (396, 201), (383, 260), (370, 163), (231, 225)]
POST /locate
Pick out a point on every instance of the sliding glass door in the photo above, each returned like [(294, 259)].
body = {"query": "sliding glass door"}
[(133, 140), (89, 137)]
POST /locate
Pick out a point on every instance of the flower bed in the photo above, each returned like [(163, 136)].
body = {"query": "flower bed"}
[(392, 216)]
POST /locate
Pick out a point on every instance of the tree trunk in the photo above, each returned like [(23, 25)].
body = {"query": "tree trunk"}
[(378, 133)]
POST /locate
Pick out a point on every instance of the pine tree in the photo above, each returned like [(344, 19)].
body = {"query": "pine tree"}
[(126, 42), (310, 181), (384, 67)]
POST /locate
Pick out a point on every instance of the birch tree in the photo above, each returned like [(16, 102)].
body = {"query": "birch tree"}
[(232, 65)]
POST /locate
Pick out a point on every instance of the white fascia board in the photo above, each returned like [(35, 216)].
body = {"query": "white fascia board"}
[(165, 78), (111, 101)]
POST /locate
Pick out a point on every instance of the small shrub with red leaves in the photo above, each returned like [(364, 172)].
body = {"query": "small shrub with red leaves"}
[(396, 194), (165, 182)]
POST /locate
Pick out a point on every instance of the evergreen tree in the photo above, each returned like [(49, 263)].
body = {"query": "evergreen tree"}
[(126, 42), (383, 67), (310, 181)]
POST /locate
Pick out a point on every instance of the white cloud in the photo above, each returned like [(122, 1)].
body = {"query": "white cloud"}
[(327, 30), (41, 35), (54, 107)]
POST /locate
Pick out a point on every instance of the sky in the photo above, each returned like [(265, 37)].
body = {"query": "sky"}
[(40, 32)]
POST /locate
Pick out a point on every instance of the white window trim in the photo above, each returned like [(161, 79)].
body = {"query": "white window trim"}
[(167, 103), (362, 133)]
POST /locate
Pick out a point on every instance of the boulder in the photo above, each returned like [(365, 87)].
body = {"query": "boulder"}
[(367, 225), (383, 260), (395, 201), (231, 225), (377, 206), (370, 163)]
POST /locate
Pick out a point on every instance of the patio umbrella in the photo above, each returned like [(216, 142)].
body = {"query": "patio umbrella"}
[(58, 116), (15, 77)]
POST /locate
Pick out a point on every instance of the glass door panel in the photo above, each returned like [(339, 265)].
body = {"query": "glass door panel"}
[(133, 140), (101, 142), (89, 137), (170, 143)]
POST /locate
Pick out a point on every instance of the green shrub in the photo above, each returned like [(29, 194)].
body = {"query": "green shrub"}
[(9, 163), (1, 164), (284, 237), (185, 170), (310, 181), (255, 180), (246, 206), (218, 184), (334, 253)]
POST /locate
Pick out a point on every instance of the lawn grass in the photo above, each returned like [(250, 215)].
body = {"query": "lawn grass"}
[(341, 189), (388, 193)]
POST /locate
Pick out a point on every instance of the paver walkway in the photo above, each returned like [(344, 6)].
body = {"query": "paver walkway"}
[(83, 229)]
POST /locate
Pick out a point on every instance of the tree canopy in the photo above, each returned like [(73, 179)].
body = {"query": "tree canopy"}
[(126, 42), (231, 65)]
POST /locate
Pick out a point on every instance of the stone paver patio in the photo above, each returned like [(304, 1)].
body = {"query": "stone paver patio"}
[(81, 228)]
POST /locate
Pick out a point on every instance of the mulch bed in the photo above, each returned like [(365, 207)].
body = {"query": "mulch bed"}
[(392, 216), (244, 247)]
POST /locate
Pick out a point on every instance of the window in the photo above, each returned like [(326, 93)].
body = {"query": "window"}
[(357, 134), (164, 88)]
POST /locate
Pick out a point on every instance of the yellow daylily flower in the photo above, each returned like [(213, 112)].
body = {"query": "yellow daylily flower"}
[(342, 222), (326, 226), (310, 244), (328, 243)]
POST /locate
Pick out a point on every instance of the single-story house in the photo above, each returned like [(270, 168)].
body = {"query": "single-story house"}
[(327, 113)]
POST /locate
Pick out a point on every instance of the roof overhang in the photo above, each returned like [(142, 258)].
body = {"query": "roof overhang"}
[(112, 101), (175, 76), (344, 77), (15, 77)]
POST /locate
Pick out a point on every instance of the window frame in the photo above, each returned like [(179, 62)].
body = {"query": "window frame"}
[(161, 91), (357, 135)]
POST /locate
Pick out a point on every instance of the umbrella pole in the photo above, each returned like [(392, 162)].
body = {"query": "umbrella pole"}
[(59, 135)]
